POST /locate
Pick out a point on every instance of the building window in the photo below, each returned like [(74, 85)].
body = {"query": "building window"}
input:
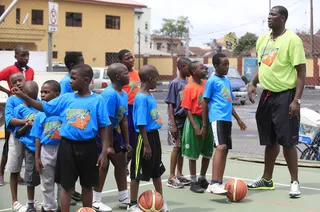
[(111, 57), (18, 16), (55, 55), (1, 9), (146, 38), (74, 51), (37, 17), (112, 22), (159, 45), (146, 25), (74, 19)]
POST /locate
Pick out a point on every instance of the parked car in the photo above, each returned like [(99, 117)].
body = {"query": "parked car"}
[(238, 85)]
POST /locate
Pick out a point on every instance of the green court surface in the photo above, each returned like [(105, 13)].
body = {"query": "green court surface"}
[(183, 200)]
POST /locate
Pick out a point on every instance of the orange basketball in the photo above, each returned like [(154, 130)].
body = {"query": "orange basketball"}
[(237, 190), (85, 209), (150, 201)]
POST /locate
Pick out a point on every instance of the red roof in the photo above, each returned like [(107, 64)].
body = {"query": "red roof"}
[(194, 51), (307, 45), (164, 37), (121, 3)]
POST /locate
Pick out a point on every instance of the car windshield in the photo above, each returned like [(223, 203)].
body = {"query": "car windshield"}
[(105, 74), (233, 73), (96, 74)]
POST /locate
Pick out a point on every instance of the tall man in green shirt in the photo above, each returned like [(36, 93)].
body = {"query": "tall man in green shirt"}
[(282, 73)]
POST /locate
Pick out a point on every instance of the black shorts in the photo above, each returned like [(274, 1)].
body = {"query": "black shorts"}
[(273, 120), (77, 159), (5, 150), (142, 169), (118, 143), (222, 133)]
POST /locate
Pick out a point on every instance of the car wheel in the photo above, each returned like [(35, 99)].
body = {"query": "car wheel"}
[(243, 102)]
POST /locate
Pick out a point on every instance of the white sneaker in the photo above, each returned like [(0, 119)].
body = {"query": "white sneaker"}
[(18, 207), (128, 179), (165, 207), (216, 189), (133, 208), (124, 203), (295, 190), (100, 207)]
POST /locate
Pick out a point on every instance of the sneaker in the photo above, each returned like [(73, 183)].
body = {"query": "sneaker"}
[(261, 184), (216, 189), (128, 179), (73, 202), (76, 196), (31, 209), (295, 190), (184, 181), (124, 203), (133, 208), (203, 183), (100, 207), (18, 207), (1, 181), (174, 183), (165, 207), (37, 205), (196, 187)]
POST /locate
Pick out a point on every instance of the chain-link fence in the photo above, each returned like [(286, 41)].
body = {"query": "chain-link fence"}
[(101, 30)]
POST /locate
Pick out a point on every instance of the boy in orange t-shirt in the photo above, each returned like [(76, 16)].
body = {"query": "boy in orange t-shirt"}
[(194, 140)]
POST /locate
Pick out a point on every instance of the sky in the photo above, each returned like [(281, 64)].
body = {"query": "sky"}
[(212, 19)]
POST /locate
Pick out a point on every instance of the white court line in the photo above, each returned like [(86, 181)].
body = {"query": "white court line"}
[(228, 177)]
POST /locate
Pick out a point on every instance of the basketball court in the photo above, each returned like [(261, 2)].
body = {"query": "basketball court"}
[(183, 200)]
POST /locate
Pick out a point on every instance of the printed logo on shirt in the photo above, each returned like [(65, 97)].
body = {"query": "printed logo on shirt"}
[(155, 116), (134, 87), (181, 95), (52, 130), (200, 99), (78, 118), (226, 94), (269, 55), (30, 116)]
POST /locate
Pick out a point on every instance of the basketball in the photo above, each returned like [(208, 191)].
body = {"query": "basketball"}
[(150, 201), (237, 190), (85, 209)]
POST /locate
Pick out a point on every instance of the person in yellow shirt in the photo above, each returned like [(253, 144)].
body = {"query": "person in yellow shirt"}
[(281, 74)]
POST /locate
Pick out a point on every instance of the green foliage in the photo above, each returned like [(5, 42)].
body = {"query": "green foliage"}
[(245, 43), (175, 28)]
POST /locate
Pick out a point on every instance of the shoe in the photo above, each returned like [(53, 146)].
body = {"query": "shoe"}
[(21, 181), (76, 196), (174, 183), (128, 179), (38, 205), (124, 203), (31, 209), (295, 190), (73, 202), (203, 183), (1, 181), (216, 189), (18, 207), (184, 181), (196, 187), (165, 207), (100, 207), (133, 208), (261, 184)]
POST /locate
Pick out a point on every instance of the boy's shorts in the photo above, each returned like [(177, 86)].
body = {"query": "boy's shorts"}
[(142, 169), (222, 133), (118, 143), (131, 130), (192, 146), (15, 155), (171, 141), (77, 159), (31, 176)]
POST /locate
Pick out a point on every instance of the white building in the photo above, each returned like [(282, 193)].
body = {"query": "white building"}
[(142, 22)]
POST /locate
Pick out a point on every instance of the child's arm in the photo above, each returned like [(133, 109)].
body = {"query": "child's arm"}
[(193, 123), (21, 131), (205, 120), (39, 165), (174, 129), (124, 132), (107, 146), (241, 124), (147, 153), (29, 101), (17, 122)]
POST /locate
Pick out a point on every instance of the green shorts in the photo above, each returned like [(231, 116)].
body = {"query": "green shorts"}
[(191, 145)]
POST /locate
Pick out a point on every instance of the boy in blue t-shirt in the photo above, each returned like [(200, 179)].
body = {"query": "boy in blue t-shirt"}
[(146, 162), (46, 131), (116, 101), (217, 104), (26, 112), (83, 116)]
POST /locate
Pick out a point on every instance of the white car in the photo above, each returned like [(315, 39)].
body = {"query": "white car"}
[(100, 79)]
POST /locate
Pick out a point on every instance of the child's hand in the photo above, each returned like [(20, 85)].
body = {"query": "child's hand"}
[(16, 91), (174, 132), (128, 147), (39, 165), (147, 153), (29, 123), (103, 160), (242, 125), (198, 132), (204, 132)]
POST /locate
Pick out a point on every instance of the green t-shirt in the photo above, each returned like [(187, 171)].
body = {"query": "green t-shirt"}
[(278, 59)]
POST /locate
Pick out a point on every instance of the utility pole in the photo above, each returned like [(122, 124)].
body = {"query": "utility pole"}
[(311, 28), (50, 47), (269, 5), (139, 42), (187, 41)]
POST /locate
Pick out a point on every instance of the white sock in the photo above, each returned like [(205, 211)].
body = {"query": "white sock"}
[(202, 177), (96, 196), (193, 178), (123, 195)]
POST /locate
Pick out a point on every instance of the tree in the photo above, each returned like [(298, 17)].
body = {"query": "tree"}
[(231, 40), (175, 29), (245, 43)]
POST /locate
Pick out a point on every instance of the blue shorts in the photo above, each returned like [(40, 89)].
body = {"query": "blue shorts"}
[(132, 132), (118, 143)]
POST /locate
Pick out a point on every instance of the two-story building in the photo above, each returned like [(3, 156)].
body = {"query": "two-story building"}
[(97, 28)]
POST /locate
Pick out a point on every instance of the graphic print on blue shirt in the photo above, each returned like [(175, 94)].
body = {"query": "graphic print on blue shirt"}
[(65, 85), (117, 105), (145, 112), (26, 113), (219, 92), (11, 103), (47, 129), (81, 117)]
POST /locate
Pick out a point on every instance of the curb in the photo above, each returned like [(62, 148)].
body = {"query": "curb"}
[(313, 87), (159, 90)]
